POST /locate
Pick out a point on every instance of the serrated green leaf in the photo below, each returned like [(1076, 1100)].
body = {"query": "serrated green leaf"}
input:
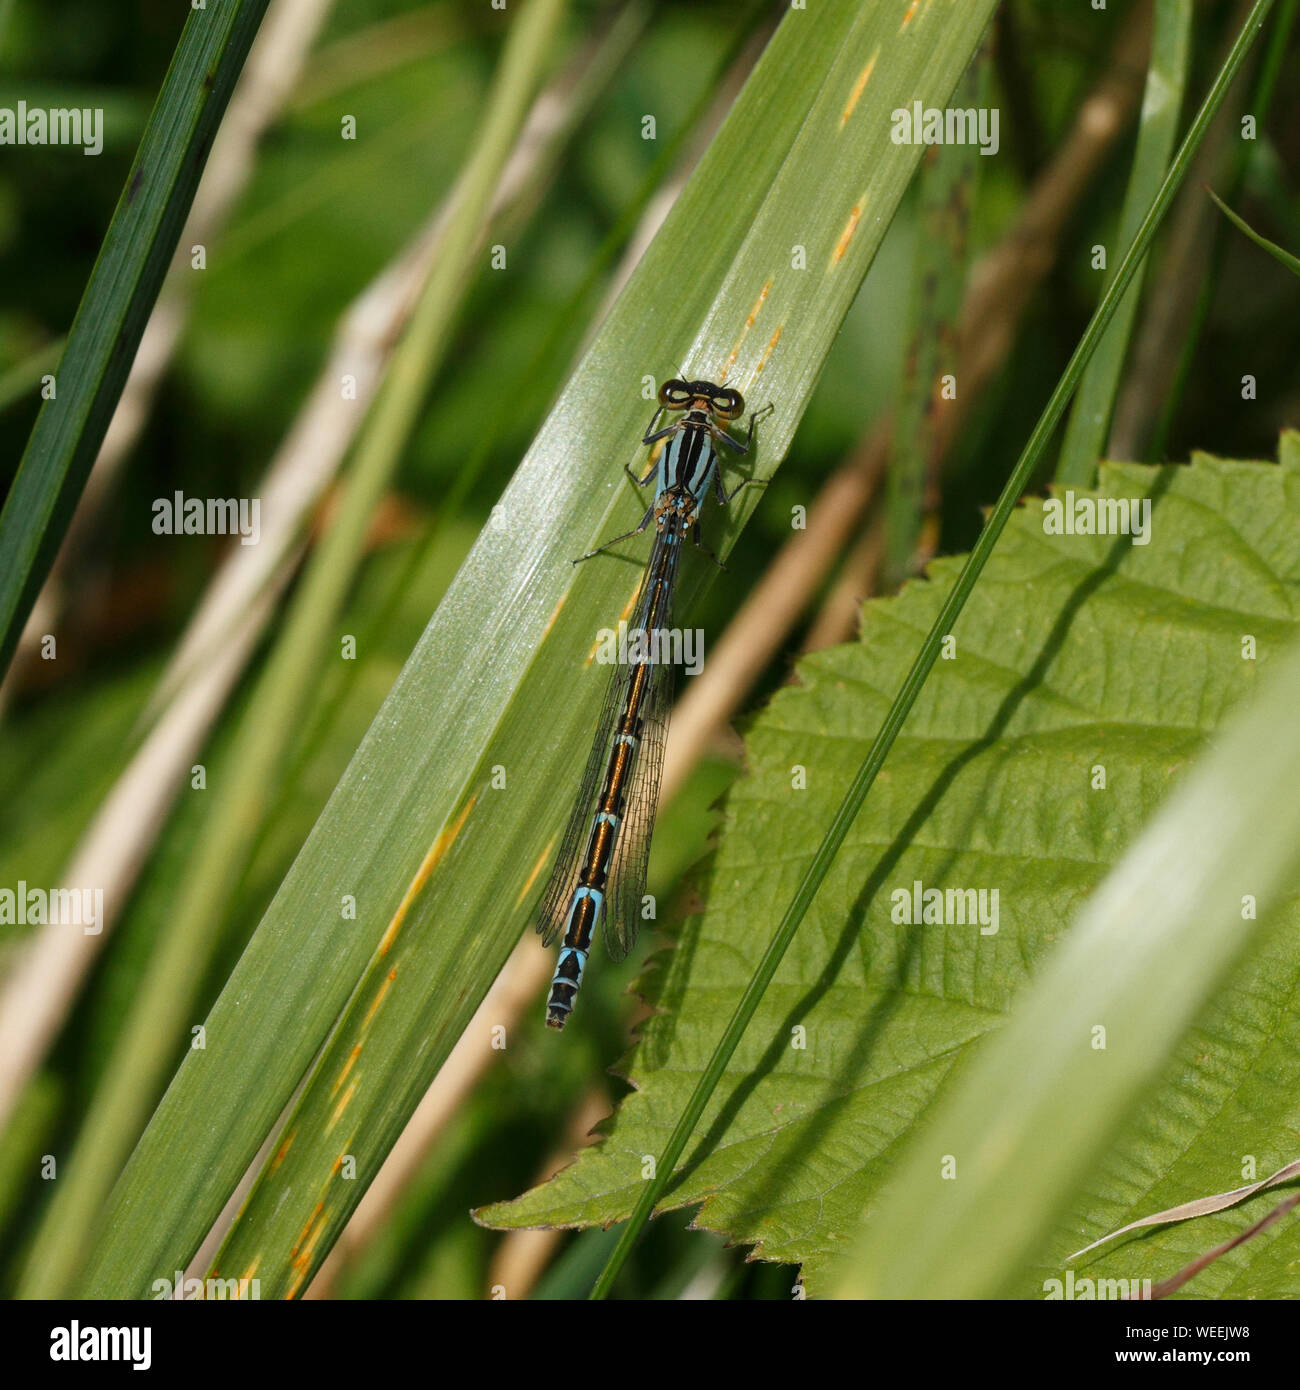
[(1074, 652)]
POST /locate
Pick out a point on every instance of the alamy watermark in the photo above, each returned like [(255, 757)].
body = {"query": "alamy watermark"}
[(179, 515), (1072, 515), (957, 125), (658, 646), (61, 907), (210, 1288), (954, 907), (1095, 1290), (62, 125), (89, 1342)]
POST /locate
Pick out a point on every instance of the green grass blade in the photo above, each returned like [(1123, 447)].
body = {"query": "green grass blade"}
[(1279, 254), (115, 307), (1036, 1108), (929, 652), (441, 866), (765, 317), (283, 694), (1171, 42)]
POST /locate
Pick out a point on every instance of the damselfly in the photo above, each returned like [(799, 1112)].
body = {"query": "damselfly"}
[(600, 874)]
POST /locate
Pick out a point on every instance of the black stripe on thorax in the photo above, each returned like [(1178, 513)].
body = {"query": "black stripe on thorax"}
[(696, 440)]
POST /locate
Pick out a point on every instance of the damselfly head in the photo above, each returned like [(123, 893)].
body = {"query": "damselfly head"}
[(721, 401)]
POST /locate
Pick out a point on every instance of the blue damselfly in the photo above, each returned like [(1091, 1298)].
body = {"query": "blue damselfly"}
[(599, 877)]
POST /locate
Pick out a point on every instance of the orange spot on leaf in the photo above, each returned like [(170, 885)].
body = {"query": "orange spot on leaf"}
[(342, 1105), (858, 87), (282, 1152), (550, 622), (347, 1067), (767, 351), (846, 235), (446, 838), (384, 985), (748, 324), (302, 1262), (535, 871), (306, 1228), (758, 304)]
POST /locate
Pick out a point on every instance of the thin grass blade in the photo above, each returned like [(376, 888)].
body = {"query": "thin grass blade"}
[(119, 297)]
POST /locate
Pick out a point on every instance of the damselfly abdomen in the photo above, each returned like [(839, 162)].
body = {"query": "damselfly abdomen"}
[(599, 878)]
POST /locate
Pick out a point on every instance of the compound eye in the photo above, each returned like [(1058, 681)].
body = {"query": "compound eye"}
[(674, 393), (728, 404)]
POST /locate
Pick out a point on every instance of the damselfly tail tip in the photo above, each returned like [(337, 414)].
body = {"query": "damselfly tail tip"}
[(556, 1018)]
